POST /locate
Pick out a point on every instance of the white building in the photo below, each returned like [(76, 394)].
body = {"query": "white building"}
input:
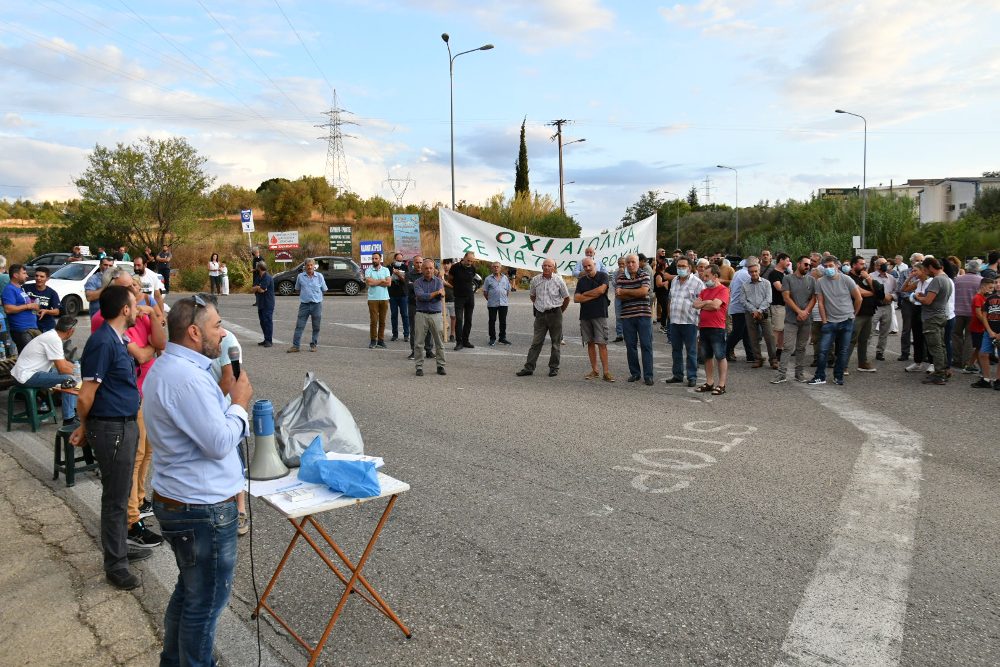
[(934, 199)]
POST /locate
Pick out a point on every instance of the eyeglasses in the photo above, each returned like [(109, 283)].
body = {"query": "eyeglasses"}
[(807, 265)]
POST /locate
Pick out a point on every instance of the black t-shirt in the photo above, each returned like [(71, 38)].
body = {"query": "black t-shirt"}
[(772, 276), (47, 299), (991, 308), (398, 286), (414, 274), (595, 308), (868, 303), (463, 279)]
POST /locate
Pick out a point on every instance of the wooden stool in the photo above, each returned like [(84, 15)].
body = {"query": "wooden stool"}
[(65, 458), (30, 415)]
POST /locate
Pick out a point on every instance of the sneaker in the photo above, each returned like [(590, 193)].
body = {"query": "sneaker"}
[(970, 369), (145, 509), (915, 367), (381, 344), (982, 383), (903, 357), (866, 368), (243, 527), (780, 379), (140, 536), (879, 356), (493, 342), (504, 341), (313, 348), (411, 357), (428, 354), (420, 372), (801, 378), (371, 345), (267, 344), (406, 338), (394, 338), (468, 345), (123, 580), (135, 554), (293, 348), (458, 346), (929, 369), (441, 371), (839, 382), (816, 381)]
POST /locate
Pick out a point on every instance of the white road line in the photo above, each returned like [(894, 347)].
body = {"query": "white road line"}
[(854, 607), (243, 332)]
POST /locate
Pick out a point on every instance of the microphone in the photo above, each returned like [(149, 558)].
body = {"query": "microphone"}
[(234, 360)]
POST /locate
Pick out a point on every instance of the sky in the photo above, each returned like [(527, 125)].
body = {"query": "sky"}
[(661, 92)]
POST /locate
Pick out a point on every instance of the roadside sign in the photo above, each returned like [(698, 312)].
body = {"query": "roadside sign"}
[(406, 233), (282, 240), (342, 240), (367, 249), (283, 256), (246, 220)]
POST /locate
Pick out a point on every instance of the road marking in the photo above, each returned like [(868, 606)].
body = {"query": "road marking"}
[(854, 607), (243, 332)]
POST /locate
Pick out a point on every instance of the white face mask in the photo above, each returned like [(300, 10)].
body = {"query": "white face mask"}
[(710, 284)]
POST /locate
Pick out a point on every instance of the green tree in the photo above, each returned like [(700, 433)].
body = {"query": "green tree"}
[(692, 199), (287, 203), (988, 203), (648, 204), (230, 199), (521, 167), (323, 195), (148, 191), (991, 174)]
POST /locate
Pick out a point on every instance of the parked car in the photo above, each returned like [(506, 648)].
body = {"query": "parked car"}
[(68, 282), (51, 260), (342, 274)]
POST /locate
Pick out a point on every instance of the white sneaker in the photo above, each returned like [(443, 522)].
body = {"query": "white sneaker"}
[(929, 369), (912, 368)]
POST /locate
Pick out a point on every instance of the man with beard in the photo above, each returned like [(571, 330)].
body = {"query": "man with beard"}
[(107, 407), (198, 475), (150, 281)]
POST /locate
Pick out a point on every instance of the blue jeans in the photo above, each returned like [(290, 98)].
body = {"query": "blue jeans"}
[(841, 332), (638, 333), (683, 339), (49, 379), (618, 319), (397, 306), (307, 310), (203, 538)]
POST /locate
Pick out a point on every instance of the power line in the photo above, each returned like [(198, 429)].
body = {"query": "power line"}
[(399, 186), (308, 52), (336, 159)]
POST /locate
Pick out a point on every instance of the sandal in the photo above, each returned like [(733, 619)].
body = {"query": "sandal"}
[(719, 391), (705, 388)]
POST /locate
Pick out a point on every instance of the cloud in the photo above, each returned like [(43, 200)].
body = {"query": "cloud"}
[(47, 169), (673, 128), (626, 172), (718, 18)]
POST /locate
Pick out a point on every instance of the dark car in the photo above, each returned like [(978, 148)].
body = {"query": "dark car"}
[(50, 260), (341, 273)]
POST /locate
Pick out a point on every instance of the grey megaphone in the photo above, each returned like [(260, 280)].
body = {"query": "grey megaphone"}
[(266, 463)]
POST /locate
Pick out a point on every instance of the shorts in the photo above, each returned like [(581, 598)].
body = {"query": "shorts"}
[(713, 343), (594, 331), (450, 306), (988, 346), (777, 318)]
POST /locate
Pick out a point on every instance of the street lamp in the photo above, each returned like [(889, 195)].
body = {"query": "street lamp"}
[(451, 90), (864, 174), (733, 169), (562, 199), (668, 192)]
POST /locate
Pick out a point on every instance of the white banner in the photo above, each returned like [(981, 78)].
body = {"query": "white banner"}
[(461, 234)]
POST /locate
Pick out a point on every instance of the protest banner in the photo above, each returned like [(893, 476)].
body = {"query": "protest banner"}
[(461, 234), (406, 233)]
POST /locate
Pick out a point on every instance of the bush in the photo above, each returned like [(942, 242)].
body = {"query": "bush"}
[(194, 279), (239, 274)]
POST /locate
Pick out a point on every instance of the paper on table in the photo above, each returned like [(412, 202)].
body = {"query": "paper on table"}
[(321, 494), (286, 483)]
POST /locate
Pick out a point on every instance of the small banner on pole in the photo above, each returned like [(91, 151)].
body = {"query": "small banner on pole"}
[(461, 234), (406, 233), (246, 220)]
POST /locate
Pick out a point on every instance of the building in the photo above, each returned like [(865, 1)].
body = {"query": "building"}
[(934, 199)]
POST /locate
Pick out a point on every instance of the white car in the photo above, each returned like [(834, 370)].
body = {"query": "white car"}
[(68, 281)]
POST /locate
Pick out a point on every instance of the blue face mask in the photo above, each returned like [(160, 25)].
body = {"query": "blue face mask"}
[(709, 284), (682, 273), (830, 271), (845, 268), (788, 270)]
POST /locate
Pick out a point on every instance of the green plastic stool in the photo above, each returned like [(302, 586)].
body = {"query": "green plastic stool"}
[(65, 459), (30, 415)]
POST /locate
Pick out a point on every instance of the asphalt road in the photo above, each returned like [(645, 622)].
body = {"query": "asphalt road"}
[(573, 522)]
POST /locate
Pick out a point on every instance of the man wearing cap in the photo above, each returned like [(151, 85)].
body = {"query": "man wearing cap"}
[(43, 364)]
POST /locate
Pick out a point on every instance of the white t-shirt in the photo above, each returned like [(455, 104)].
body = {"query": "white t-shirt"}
[(38, 355), (150, 282)]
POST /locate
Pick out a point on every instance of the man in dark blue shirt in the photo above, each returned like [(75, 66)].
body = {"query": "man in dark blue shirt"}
[(19, 308), (107, 407), (263, 287), (47, 299)]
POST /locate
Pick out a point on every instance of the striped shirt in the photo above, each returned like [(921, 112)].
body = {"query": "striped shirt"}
[(634, 306), (683, 292)]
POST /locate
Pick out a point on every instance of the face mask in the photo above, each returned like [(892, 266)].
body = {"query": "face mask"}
[(845, 268), (682, 273), (788, 269), (709, 284), (830, 271)]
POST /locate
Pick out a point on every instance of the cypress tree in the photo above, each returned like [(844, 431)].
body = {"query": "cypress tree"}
[(521, 167)]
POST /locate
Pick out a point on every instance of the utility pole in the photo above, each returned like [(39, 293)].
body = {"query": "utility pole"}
[(399, 186), (558, 137), (336, 160), (708, 190)]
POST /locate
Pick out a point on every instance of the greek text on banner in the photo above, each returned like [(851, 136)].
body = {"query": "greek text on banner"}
[(461, 234)]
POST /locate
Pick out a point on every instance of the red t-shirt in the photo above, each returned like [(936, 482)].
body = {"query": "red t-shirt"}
[(975, 326), (714, 319)]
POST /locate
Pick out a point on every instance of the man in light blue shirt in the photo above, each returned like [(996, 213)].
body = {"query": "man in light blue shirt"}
[(378, 278), (737, 311), (310, 286), (197, 476), (592, 254), (496, 290)]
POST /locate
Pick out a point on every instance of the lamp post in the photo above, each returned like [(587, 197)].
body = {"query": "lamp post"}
[(864, 174), (678, 241), (562, 198), (451, 95), (733, 169)]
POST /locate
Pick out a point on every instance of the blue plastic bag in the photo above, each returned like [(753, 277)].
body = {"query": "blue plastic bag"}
[(356, 479)]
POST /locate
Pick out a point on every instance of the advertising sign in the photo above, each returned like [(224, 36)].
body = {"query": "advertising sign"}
[(367, 248), (406, 233), (341, 241), (246, 220), (282, 240), (283, 256)]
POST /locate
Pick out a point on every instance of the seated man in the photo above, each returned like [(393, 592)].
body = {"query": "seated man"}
[(34, 368)]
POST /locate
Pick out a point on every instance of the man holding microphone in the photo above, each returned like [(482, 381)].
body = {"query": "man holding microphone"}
[(198, 475)]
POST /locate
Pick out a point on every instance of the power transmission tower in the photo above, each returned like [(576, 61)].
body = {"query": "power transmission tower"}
[(708, 190), (399, 186), (336, 160)]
